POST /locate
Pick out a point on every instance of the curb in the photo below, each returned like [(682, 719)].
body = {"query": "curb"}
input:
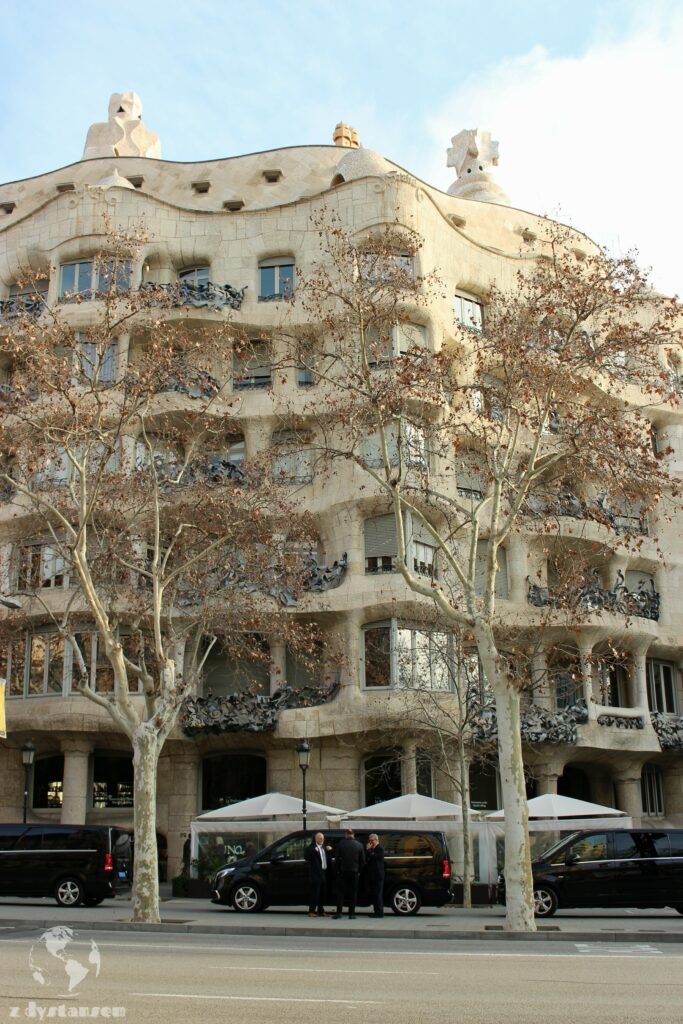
[(491, 934)]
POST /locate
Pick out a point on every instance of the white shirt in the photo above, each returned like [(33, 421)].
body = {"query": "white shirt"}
[(321, 851)]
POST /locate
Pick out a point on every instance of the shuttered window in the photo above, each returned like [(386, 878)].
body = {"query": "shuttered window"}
[(469, 475), (381, 544), (423, 548)]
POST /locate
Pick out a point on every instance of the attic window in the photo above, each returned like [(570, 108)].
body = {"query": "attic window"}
[(8, 207), (233, 205), (200, 188), (136, 180), (66, 186), (579, 253), (338, 179), (459, 222), (272, 176), (528, 236)]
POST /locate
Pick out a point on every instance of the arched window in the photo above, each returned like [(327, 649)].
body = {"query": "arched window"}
[(382, 776), (227, 778), (652, 791), (48, 781)]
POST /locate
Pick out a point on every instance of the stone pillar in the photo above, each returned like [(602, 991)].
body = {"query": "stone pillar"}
[(278, 664), (256, 437), (546, 779), (75, 802), (349, 635), (639, 687), (410, 767), (123, 349), (517, 569), (586, 669), (628, 794), (183, 804), (541, 693)]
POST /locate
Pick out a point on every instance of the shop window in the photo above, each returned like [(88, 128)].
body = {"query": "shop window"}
[(228, 778), (382, 776), (276, 278), (112, 780), (48, 781)]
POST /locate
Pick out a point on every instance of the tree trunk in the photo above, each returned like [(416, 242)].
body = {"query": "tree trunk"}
[(519, 895), (466, 830), (146, 876)]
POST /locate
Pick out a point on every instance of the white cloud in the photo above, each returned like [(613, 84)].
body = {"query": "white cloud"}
[(593, 139)]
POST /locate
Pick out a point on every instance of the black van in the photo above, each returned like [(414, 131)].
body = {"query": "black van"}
[(640, 868), (417, 873), (74, 863)]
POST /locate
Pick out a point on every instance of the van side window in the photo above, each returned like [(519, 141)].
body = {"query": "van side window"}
[(31, 840), (590, 847), (9, 835), (293, 849), (69, 839), (676, 839), (625, 846), (397, 845), (653, 844)]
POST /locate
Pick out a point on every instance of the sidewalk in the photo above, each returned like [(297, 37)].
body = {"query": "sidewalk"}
[(484, 923)]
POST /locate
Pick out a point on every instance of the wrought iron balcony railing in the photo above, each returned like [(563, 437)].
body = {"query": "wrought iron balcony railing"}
[(199, 296), (565, 503), (24, 305), (643, 602)]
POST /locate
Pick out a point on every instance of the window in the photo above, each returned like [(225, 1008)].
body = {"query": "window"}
[(590, 847), (399, 340), (381, 544), (41, 567), (469, 475), (652, 791), (227, 778), (382, 267), (422, 548), (226, 674), (567, 689), (251, 366), (501, 586), (195, 277), (112, 780), (468, 312), (401, 655), (87, 279), (403, 436), (276, 278), (661, 687), (613, 682), (305, 368), (97, 365), (382, 776), (48, 781), (292, 459)]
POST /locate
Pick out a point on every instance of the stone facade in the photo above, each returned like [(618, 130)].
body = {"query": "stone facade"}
[(229, 215)]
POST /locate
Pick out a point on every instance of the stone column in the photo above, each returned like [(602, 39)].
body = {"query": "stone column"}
[(183, 803), (639, 688), (278, 664), (122, 352), (75, 802), (628, 793), (541, 693), (410, 767), (546, 779)]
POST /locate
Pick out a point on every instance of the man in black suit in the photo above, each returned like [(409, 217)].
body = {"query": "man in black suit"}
[(374, 855), (349, 860), (317, 858)]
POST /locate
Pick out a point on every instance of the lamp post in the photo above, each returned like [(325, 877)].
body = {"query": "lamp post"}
[(303, 749), (28, 752)]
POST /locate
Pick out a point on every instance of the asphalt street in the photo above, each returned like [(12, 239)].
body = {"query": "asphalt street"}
[(187, 978)]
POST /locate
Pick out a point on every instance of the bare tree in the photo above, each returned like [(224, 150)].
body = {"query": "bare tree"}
[(538, 395), (121, 451)]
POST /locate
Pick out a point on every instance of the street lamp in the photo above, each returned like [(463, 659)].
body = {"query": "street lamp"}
[(28, 752), (303, 749)]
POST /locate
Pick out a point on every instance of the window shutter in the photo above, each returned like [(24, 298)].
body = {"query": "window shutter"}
[(380, 537)]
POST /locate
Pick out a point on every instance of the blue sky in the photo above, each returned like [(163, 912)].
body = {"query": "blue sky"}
[(583, 96)]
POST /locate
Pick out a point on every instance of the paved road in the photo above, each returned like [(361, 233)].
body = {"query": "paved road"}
[(271, 980)]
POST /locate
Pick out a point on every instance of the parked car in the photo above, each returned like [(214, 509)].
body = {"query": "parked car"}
[(616, 868), (417, 873), (74, 863)]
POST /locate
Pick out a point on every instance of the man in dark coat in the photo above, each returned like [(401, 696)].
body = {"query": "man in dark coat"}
[(349, 859), (318, 860), (374, 855)]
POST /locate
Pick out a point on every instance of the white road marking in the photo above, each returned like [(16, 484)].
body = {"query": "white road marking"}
[(256, 999), (315, 970), (617, 949)]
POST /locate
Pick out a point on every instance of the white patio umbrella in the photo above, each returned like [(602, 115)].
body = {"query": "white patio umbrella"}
[(409, 807), (269, 805), (553, 805)]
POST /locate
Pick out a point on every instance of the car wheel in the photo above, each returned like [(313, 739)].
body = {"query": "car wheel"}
[(545, 902), (93, 901), (405, 900), (69, 892), (246, 898)]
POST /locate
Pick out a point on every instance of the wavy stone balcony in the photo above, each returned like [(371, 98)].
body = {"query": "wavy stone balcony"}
[(643, 603)]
